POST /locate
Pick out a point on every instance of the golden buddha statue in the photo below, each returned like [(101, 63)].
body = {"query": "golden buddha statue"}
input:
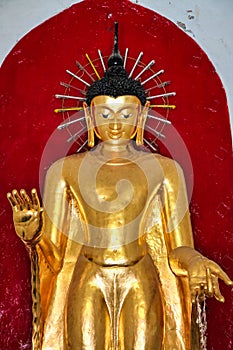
[(118, 269)]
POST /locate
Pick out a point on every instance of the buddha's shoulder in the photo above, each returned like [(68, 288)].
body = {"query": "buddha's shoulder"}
[(165, 160), (170, 167), (69, 162), (162, 161)]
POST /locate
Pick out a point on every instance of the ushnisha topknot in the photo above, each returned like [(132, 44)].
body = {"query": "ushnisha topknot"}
[(116, 81)]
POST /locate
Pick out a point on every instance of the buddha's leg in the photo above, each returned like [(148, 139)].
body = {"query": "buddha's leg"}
[(87, 319), (141, 321)]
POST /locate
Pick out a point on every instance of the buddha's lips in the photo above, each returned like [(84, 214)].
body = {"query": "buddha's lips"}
[(115, 134)]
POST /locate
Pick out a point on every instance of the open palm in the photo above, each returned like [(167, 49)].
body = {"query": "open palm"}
[(27, 215)]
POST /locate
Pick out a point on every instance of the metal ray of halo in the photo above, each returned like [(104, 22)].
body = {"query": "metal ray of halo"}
[(150, 64), (75, 76), (156, 132), (163, 106), (162, 95), (153, 76), (73, 137), (62, 126), (159, 119), (84, 70), (158, 86), (92, 65), (126, 55), (59, 110), (101, 59), (81, 147), (72, 87), (70, 97), (149, 144), (164, 84), (135, 64)]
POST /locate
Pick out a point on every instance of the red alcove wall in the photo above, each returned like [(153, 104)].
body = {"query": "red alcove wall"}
[(30, 78)]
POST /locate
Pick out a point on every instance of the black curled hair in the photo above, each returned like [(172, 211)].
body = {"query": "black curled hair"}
[(116, 83)]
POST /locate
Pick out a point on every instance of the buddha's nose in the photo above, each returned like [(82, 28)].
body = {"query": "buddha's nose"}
[(115, 124)]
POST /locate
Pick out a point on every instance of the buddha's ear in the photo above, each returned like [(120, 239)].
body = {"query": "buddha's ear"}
[(146, 109), (141, 124), (90, 126), (86, 109)]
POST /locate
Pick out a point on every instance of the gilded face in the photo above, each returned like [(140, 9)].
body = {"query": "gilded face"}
[(115, 119)]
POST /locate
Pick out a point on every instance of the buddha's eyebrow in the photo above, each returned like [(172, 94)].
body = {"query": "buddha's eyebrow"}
[(101, 108), (129, 106)]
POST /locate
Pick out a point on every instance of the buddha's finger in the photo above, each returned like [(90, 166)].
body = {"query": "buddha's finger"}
[(35, 199), (204, 287), (217, 271), (18, 199), (210, 290), (226, 279), (13, 202), (216, 289), (26, 199)]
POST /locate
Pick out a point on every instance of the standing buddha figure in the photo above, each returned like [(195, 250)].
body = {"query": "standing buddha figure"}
[(118, 269)]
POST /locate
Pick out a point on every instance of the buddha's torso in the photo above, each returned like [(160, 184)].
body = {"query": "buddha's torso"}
[(112, 197)]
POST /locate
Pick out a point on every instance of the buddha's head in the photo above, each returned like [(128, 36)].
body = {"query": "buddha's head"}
[(116, 105)]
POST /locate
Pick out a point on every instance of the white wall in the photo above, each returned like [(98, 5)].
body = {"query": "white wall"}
[(209, 22)]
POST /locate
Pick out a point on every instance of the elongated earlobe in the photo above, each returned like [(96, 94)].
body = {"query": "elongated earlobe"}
[(90, 126), (141, 124)]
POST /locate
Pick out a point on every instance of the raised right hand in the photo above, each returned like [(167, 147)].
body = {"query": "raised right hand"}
[(27, 215)]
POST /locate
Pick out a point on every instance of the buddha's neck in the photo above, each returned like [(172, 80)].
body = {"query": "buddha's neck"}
[(115, 151)]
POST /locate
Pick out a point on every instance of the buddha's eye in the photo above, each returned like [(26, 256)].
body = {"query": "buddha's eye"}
[(126, 116), (105, 115)]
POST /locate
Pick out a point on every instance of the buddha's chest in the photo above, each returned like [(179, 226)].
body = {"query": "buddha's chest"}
[(114, 192), (115, 187)]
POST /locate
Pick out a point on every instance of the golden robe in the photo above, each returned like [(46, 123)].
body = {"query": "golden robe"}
[(162, 207)]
